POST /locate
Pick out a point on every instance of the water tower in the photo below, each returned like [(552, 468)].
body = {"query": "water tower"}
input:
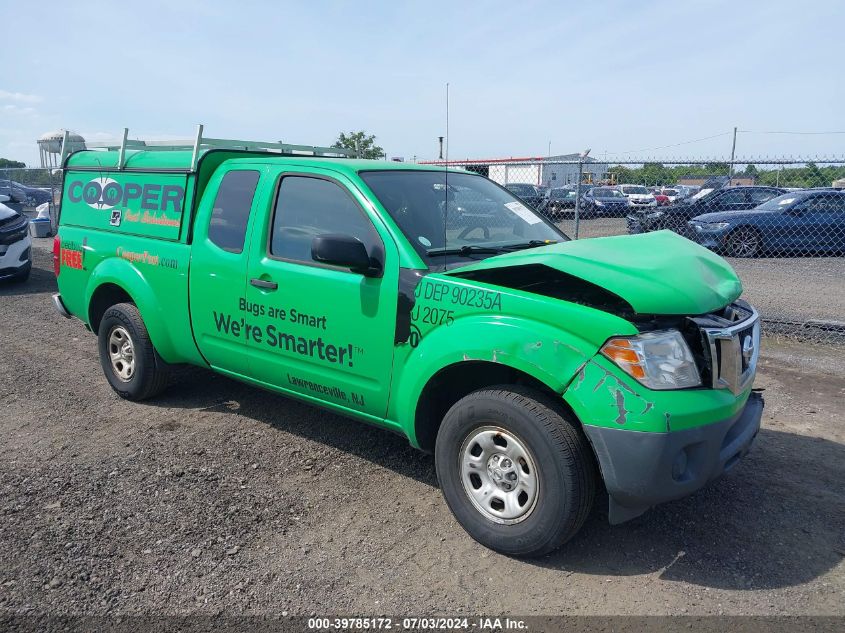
[(50, 147)]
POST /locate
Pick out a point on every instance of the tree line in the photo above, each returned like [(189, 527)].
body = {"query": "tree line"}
[(655, 174)]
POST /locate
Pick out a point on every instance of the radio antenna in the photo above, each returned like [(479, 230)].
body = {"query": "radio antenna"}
[(446, 177)]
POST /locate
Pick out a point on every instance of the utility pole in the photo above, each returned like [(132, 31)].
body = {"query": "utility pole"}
[(731, 166)]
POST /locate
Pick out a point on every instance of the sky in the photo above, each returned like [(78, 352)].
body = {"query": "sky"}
[(629, 80)]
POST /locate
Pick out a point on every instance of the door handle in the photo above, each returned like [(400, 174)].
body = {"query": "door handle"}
[(263, 284)]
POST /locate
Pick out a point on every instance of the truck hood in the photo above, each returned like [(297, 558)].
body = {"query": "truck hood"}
[(654, 273)]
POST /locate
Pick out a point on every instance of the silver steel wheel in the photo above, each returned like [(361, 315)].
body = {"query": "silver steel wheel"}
[(499, 475), (122, 353)]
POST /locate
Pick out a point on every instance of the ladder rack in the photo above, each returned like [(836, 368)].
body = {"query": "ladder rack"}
[(201, 144)]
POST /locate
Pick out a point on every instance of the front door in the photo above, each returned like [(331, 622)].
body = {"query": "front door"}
[(321, 331)]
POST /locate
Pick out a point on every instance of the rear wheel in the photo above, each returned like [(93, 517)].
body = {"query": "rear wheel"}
[(518, 476), (129, 360), (743, 242)]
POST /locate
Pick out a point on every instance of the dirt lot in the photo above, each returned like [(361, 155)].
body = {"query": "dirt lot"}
[(219, 498)]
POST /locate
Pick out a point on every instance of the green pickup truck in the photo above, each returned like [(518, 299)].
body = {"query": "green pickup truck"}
[(429, 302)]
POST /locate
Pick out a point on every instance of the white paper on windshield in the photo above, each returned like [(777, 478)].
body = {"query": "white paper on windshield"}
[(524, 212), (787, 201)]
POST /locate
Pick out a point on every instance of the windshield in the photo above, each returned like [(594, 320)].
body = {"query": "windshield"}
[(638, 190), (522, 190), (780, 202), (478, 214), (701, 194), (603, 192)]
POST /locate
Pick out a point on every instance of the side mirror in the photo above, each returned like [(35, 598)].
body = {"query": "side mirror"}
[(4, 197), (344, 250)]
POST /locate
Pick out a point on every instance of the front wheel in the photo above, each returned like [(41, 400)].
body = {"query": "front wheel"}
[(130, 362), (518, 476), (743, 242)]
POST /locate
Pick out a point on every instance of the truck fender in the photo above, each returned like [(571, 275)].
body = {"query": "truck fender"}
[(123, 274), (549, 354)]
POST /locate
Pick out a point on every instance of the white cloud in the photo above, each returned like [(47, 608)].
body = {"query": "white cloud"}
[(11, 108), (19, 97)]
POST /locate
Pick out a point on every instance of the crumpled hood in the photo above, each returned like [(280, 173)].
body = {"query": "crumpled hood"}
[(656, 273)]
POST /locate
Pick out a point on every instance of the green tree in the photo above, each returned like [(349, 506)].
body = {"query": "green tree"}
[(6, 163), (751, 170), (360, 141)]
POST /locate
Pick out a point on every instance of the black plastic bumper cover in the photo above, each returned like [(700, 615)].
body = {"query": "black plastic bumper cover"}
[(641, 470)]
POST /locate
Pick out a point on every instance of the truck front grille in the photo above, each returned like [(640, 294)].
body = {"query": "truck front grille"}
[(731, 346)]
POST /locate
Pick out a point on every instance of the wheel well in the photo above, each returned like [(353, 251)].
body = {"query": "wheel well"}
[(103, 298), (454, 382)]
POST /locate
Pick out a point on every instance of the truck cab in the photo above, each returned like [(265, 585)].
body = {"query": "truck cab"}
[(535, 368)]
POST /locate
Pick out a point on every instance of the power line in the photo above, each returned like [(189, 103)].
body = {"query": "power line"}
[(797, 133), (654, 149)]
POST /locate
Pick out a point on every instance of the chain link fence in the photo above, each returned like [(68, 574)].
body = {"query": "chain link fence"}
[(779, 222)]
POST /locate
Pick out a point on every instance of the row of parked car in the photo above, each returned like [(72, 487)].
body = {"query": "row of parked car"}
[(743, 221), (19, 195)]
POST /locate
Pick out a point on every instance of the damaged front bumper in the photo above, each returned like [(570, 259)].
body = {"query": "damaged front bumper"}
[(642, 469)]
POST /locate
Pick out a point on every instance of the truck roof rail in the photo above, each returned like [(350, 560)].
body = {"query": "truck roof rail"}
[(201, 144)]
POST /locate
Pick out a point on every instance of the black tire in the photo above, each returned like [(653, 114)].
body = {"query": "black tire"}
[(149, 375), (744, 242), (565, 469)]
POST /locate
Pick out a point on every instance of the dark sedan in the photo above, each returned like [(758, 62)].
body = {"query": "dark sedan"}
[(605, 201), (560, 198), (677, 216), (812, 220), (529, 194)]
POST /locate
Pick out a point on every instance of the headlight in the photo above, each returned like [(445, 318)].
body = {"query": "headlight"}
[(655, 215), (711, 226), (658, 360), (599, 203)]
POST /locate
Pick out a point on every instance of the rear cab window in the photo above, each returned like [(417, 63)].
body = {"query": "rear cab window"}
[(230, 214)]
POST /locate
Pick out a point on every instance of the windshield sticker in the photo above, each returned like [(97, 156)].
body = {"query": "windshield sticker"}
[(787, 201), (424, 241), (523, 212)]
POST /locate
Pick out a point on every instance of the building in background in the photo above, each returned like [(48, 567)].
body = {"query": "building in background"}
[(550, 171)]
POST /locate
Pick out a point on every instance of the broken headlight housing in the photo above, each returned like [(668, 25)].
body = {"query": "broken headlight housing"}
[(658, 360)]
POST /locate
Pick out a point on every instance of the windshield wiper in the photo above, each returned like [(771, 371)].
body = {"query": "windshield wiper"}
[(467, 250), (528, 244), (476, 249)]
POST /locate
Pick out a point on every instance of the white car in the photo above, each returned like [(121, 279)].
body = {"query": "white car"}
[(15, 244), (638, 196)]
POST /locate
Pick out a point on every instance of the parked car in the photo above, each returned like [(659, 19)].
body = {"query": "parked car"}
[(337, 282), (638, 196), (605, 201), (677, 216), (15, 243), (529, 194), (809, 221), (560, 198), (662, 200), (15, 196), (33, 196)]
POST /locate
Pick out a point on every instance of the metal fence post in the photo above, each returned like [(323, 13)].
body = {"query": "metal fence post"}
[(578, 197)]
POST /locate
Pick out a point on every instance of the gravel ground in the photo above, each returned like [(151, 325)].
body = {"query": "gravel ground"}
[(220, 498)]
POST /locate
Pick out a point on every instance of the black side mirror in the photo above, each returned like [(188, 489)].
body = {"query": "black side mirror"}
[(339, 249)]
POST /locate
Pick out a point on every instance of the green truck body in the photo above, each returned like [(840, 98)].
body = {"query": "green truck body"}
[(226, 271)]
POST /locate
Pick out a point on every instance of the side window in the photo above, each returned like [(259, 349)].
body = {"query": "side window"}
[(229, 218), (759, 196), (731, 197), (308, 207)]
